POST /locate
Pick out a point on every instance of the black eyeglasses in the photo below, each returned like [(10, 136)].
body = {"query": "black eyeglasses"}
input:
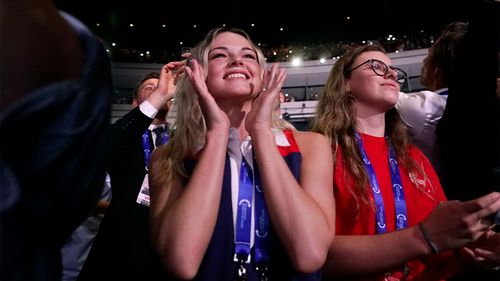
[(381, 69)]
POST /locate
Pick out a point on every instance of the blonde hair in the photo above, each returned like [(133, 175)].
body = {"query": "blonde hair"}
[(336, 119), (190, 129)]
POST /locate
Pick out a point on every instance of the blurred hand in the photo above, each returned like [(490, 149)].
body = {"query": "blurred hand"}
[(453, 224), (484, 253)]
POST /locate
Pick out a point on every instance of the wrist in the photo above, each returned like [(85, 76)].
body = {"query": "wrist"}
[(432, 245), (262, 131), (158, 100)]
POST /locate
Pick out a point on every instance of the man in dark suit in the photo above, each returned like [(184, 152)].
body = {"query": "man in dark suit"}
[(122, 249)]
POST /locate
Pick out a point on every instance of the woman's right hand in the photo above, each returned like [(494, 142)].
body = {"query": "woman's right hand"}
[(263, 105), (453, 224), (214, 116)]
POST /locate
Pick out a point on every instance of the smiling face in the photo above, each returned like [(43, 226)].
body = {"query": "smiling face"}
[(233, 67), (372, 92)]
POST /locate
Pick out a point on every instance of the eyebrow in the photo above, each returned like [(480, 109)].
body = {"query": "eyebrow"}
[(148, 84), (226, 49)]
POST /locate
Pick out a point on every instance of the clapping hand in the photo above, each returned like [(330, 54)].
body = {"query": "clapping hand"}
[(214, 116), (260, 115)]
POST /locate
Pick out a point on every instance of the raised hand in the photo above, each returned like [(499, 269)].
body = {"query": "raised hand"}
[(214, 116), (168, 78), (261, 113), (165, 89)]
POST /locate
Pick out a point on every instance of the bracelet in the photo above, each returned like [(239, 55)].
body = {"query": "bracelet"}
[(428, 239)]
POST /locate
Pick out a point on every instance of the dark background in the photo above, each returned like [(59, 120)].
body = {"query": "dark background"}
[(314, 22)]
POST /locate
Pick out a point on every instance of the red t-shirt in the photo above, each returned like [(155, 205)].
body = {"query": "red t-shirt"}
[(420, 199)]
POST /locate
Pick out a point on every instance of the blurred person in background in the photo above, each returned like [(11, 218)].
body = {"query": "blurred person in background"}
[(55, 87), (122, 249), (421, 111)]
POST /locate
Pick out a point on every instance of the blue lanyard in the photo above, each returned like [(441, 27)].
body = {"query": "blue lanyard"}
[(161, 136), (262, 236), (397, 188), (244, 215), (146, 144), (147, 148)]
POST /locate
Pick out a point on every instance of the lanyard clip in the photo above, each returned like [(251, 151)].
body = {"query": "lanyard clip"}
[(241, 258), (241, 271)]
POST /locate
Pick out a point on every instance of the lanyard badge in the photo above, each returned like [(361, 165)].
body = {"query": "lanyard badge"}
[(250, 190)]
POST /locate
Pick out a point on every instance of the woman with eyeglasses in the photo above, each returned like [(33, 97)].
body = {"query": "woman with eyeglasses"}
[(392, 219)]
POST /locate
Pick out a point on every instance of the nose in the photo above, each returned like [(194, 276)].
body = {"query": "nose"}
[(391, 73), (236, 61)]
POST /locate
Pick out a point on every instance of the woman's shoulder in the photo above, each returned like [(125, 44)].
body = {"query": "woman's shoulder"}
[(309, 136), (310, 140), (416, 153)]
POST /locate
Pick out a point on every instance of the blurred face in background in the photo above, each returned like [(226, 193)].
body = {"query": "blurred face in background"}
[(145, 90), (428, 72)]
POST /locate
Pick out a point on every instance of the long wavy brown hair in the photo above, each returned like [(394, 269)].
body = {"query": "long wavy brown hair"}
[(336, 119)]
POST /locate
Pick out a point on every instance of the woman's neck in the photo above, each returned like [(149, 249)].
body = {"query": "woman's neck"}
[(236, 114), (373, 125)]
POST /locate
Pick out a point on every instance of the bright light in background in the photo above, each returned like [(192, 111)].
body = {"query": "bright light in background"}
[(391, 37), (296, 61), (131, 25), (113, 44), (322, 60)]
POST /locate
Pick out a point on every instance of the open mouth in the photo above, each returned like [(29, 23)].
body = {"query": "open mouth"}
[(236, 76)]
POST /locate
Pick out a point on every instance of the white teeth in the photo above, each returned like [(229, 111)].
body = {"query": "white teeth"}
[(236, 75)]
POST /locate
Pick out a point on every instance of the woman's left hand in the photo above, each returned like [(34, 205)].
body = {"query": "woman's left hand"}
[(484, 253), (260, 115)]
